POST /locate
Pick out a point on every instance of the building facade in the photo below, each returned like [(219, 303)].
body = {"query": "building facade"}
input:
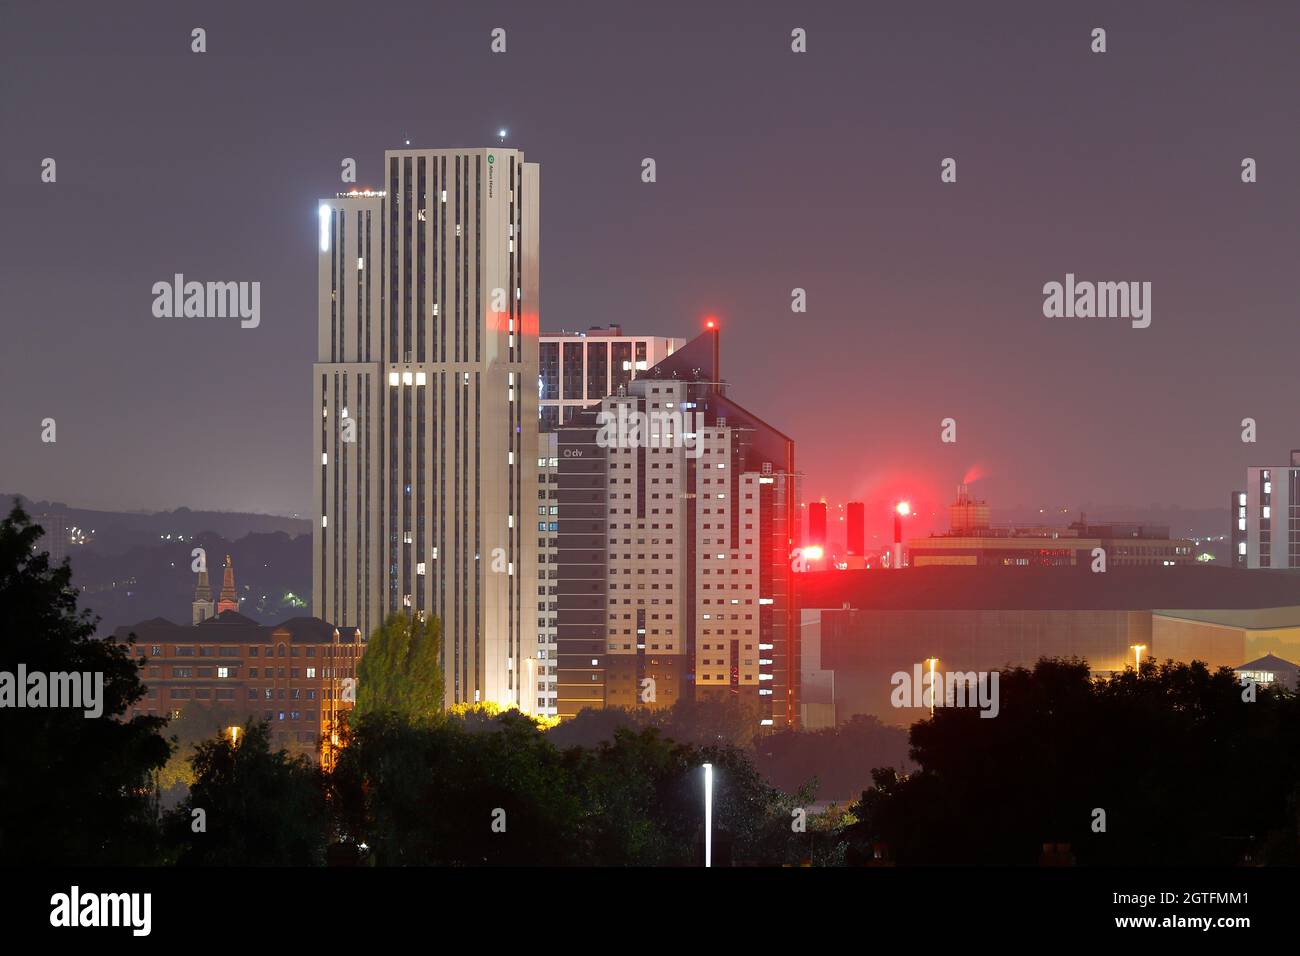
[(578, 369), (872, 627), (426, 441), (1237, 534), (299, 676), (1267, 533), (677, 511), (971, 540)]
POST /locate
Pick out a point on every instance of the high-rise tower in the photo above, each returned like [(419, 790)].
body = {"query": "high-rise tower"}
[(425, 457), (676, 511)]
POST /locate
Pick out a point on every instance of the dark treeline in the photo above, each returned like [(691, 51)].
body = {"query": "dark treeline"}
[(1177, 765)]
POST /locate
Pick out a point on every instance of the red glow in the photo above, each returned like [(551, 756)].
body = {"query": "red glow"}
[(710, 323), (904, 508)]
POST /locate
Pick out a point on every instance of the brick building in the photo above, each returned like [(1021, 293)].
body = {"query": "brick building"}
[(298, 675)]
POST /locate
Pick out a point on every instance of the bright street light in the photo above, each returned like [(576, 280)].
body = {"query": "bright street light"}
[(708, 814)]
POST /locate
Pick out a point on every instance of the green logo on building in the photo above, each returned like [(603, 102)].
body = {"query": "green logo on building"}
[(491, 159)]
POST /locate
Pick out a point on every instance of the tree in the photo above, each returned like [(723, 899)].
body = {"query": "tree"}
[(1159, 753), (840, 758), (75, 789), (401, 672), (439, 793), (249, 806), (195, 725)]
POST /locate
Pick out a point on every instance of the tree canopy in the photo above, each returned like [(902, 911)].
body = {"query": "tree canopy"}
[(401, 671), (74, 789)]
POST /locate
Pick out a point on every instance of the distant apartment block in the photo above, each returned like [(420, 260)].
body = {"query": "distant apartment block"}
[(1266, 517), (1237, 534)]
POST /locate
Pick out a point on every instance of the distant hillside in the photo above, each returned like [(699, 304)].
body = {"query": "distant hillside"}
[(116, 532), (272, 578), (153, 578)]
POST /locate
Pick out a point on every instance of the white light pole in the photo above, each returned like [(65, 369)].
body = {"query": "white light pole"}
[(708, 814)]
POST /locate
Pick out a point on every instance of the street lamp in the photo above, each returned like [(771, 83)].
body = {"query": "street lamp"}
[(708, 815), (932, 661), (234, 735), (1137, 656)]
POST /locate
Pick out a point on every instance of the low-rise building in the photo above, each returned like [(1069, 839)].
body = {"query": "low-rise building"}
[(299, 675)]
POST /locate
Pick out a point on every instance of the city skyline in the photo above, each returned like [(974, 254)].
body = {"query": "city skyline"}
[(924, 297), (875, 452)]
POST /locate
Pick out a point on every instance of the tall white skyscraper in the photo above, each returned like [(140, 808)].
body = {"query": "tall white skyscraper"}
[(425, 457)]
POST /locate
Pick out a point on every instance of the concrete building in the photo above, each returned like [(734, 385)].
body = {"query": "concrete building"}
[(816, 684), (1267, 533), (873, 625), (548, 537), (1269, 670), (1237, 533), (677, 513), (971, 541), (578, 369), (425, 448), (1223, 637)]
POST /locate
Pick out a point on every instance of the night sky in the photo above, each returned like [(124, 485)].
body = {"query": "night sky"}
[(775, 170)]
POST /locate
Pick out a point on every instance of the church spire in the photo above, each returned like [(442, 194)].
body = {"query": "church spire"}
[(228, 601), (202, 606)]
